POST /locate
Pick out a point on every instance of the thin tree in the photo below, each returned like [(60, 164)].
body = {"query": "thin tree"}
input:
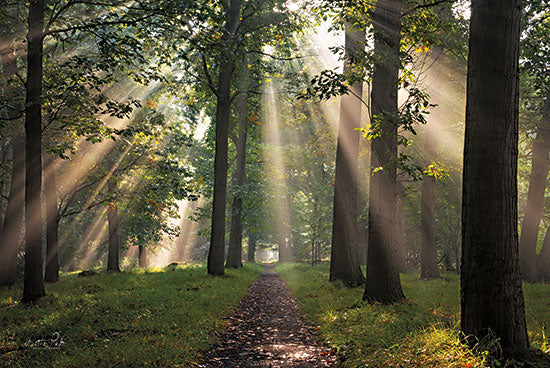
[(216, 252), (251, 247), (33, 286), (51, 273), (344, 255), (112, 220), (491, 296), (540, 164), (10, 237), (383, 284), (234, 252), (428, 254)]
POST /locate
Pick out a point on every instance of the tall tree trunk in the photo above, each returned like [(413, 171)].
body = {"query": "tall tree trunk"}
[(234, 253), (491, 295), (543, 259), (251, 247), (33, 286), (428, 254), (52, 221), (535, 201), (344, 254), (112, 219), (13, 221), (223, 109), (142, 257), (383, 283)]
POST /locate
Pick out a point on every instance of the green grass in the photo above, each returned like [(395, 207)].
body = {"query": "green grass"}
[(422, 332), (141, 318)]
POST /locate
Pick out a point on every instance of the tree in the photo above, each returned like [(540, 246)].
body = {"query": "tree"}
[(383, 284), (540, 164), (11, 104), (51, 273), (234, 253), (344, 254), (112, 218), (33, 287), (491, 295), (251, 248), (223, 109), (428, 255), (10, 237)]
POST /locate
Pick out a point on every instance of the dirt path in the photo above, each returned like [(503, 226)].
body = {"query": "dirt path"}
[(266, 330)]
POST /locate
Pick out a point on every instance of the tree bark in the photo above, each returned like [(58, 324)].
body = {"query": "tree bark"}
[(383, 284), (234, 253), (33, 285), (491, 295), (216, 252), (112, 219), (534, 208), (13, 221), (51, 273), (142, 258), (251, 248), (428, 255), (344, 254)]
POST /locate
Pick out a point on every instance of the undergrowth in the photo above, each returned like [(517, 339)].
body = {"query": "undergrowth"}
[(421, 332), (140, 318)]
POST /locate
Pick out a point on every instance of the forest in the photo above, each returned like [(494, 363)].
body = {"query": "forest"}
[(274, 183)]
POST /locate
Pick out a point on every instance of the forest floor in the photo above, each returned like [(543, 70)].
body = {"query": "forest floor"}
[(157, 317), (421, 332), (267, 330)]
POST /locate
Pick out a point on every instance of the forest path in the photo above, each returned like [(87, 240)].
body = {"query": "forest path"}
[(267, 330)]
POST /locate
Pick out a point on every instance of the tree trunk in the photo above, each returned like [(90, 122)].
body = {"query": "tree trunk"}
[(13, 221), (234, 253), (112, 219), (383, 283), (33, 286), (428, 254), (251, 247), (142, 258), (223, 109), (535, 203), (52, 221), (543, 260), (344, 254), (491, 295)]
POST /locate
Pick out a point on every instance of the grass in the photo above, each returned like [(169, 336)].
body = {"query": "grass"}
[(141, 318), (422, 332)]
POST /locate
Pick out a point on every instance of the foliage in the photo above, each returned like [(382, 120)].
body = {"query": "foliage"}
[(154, 317)]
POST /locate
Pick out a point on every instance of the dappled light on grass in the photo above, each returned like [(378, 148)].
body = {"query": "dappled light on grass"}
[(159, 317), (421, 332)]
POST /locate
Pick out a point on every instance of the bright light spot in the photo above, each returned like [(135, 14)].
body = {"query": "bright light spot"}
[(462, 9)]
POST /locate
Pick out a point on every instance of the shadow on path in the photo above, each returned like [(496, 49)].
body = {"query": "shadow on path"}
[(266, 330)]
